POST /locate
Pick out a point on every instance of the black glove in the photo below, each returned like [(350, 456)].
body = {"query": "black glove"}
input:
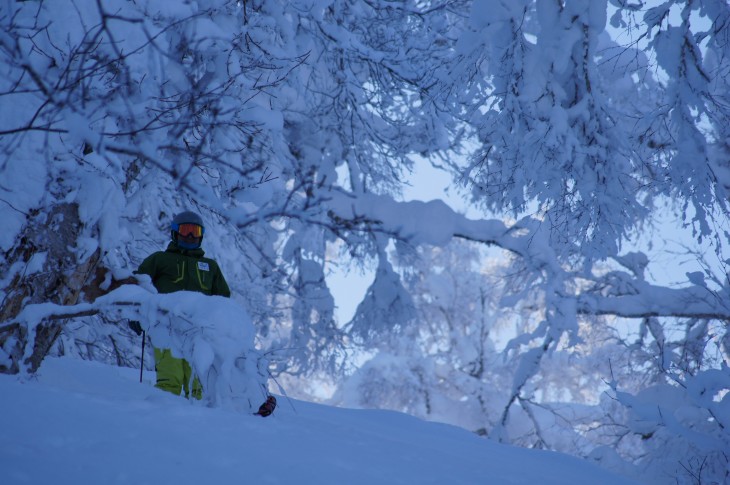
[(135, 326), (268, 407)]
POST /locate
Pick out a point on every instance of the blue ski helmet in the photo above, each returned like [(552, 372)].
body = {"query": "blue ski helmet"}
[(184, 218)]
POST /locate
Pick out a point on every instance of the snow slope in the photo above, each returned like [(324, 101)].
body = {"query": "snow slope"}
[(80, 422)]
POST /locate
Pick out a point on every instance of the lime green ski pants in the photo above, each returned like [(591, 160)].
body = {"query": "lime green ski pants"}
[(173, 374)]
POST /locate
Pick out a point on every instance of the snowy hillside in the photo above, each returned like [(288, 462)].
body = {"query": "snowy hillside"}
[(83, 422)]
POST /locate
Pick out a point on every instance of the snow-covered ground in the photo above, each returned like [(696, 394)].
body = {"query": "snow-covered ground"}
[(79, 422)]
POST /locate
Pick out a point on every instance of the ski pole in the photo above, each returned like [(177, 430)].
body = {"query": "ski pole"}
[(141, 365)]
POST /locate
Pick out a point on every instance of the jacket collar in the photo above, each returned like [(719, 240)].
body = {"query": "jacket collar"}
[(174, 248)]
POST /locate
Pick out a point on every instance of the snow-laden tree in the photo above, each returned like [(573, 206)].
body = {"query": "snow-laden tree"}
[(460, 362), (288, 125), (126, 112), (446, 366), (589, 132)]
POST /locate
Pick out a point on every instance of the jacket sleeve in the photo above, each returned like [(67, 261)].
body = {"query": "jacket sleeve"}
[(148, 266)]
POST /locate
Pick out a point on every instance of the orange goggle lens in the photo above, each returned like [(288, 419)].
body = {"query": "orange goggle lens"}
[(190, 230)]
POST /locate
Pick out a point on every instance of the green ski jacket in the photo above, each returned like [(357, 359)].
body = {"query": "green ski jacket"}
[(177, 269)]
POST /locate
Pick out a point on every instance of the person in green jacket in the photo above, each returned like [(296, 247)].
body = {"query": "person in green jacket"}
[(183, 266)]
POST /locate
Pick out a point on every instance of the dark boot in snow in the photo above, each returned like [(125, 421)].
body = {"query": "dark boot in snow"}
[(268, 407)]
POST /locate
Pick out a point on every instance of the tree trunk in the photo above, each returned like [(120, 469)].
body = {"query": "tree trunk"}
[(56, 277)]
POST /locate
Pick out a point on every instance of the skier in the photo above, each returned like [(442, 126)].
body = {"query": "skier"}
[(182, 266)]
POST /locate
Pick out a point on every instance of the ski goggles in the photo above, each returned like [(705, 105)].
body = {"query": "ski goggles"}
[(188, 229)]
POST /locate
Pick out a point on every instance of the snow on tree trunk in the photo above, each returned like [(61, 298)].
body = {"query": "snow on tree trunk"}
[(42, 267)]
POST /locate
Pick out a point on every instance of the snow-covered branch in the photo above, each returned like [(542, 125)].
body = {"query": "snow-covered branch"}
[(216, 337), (648, 300)]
